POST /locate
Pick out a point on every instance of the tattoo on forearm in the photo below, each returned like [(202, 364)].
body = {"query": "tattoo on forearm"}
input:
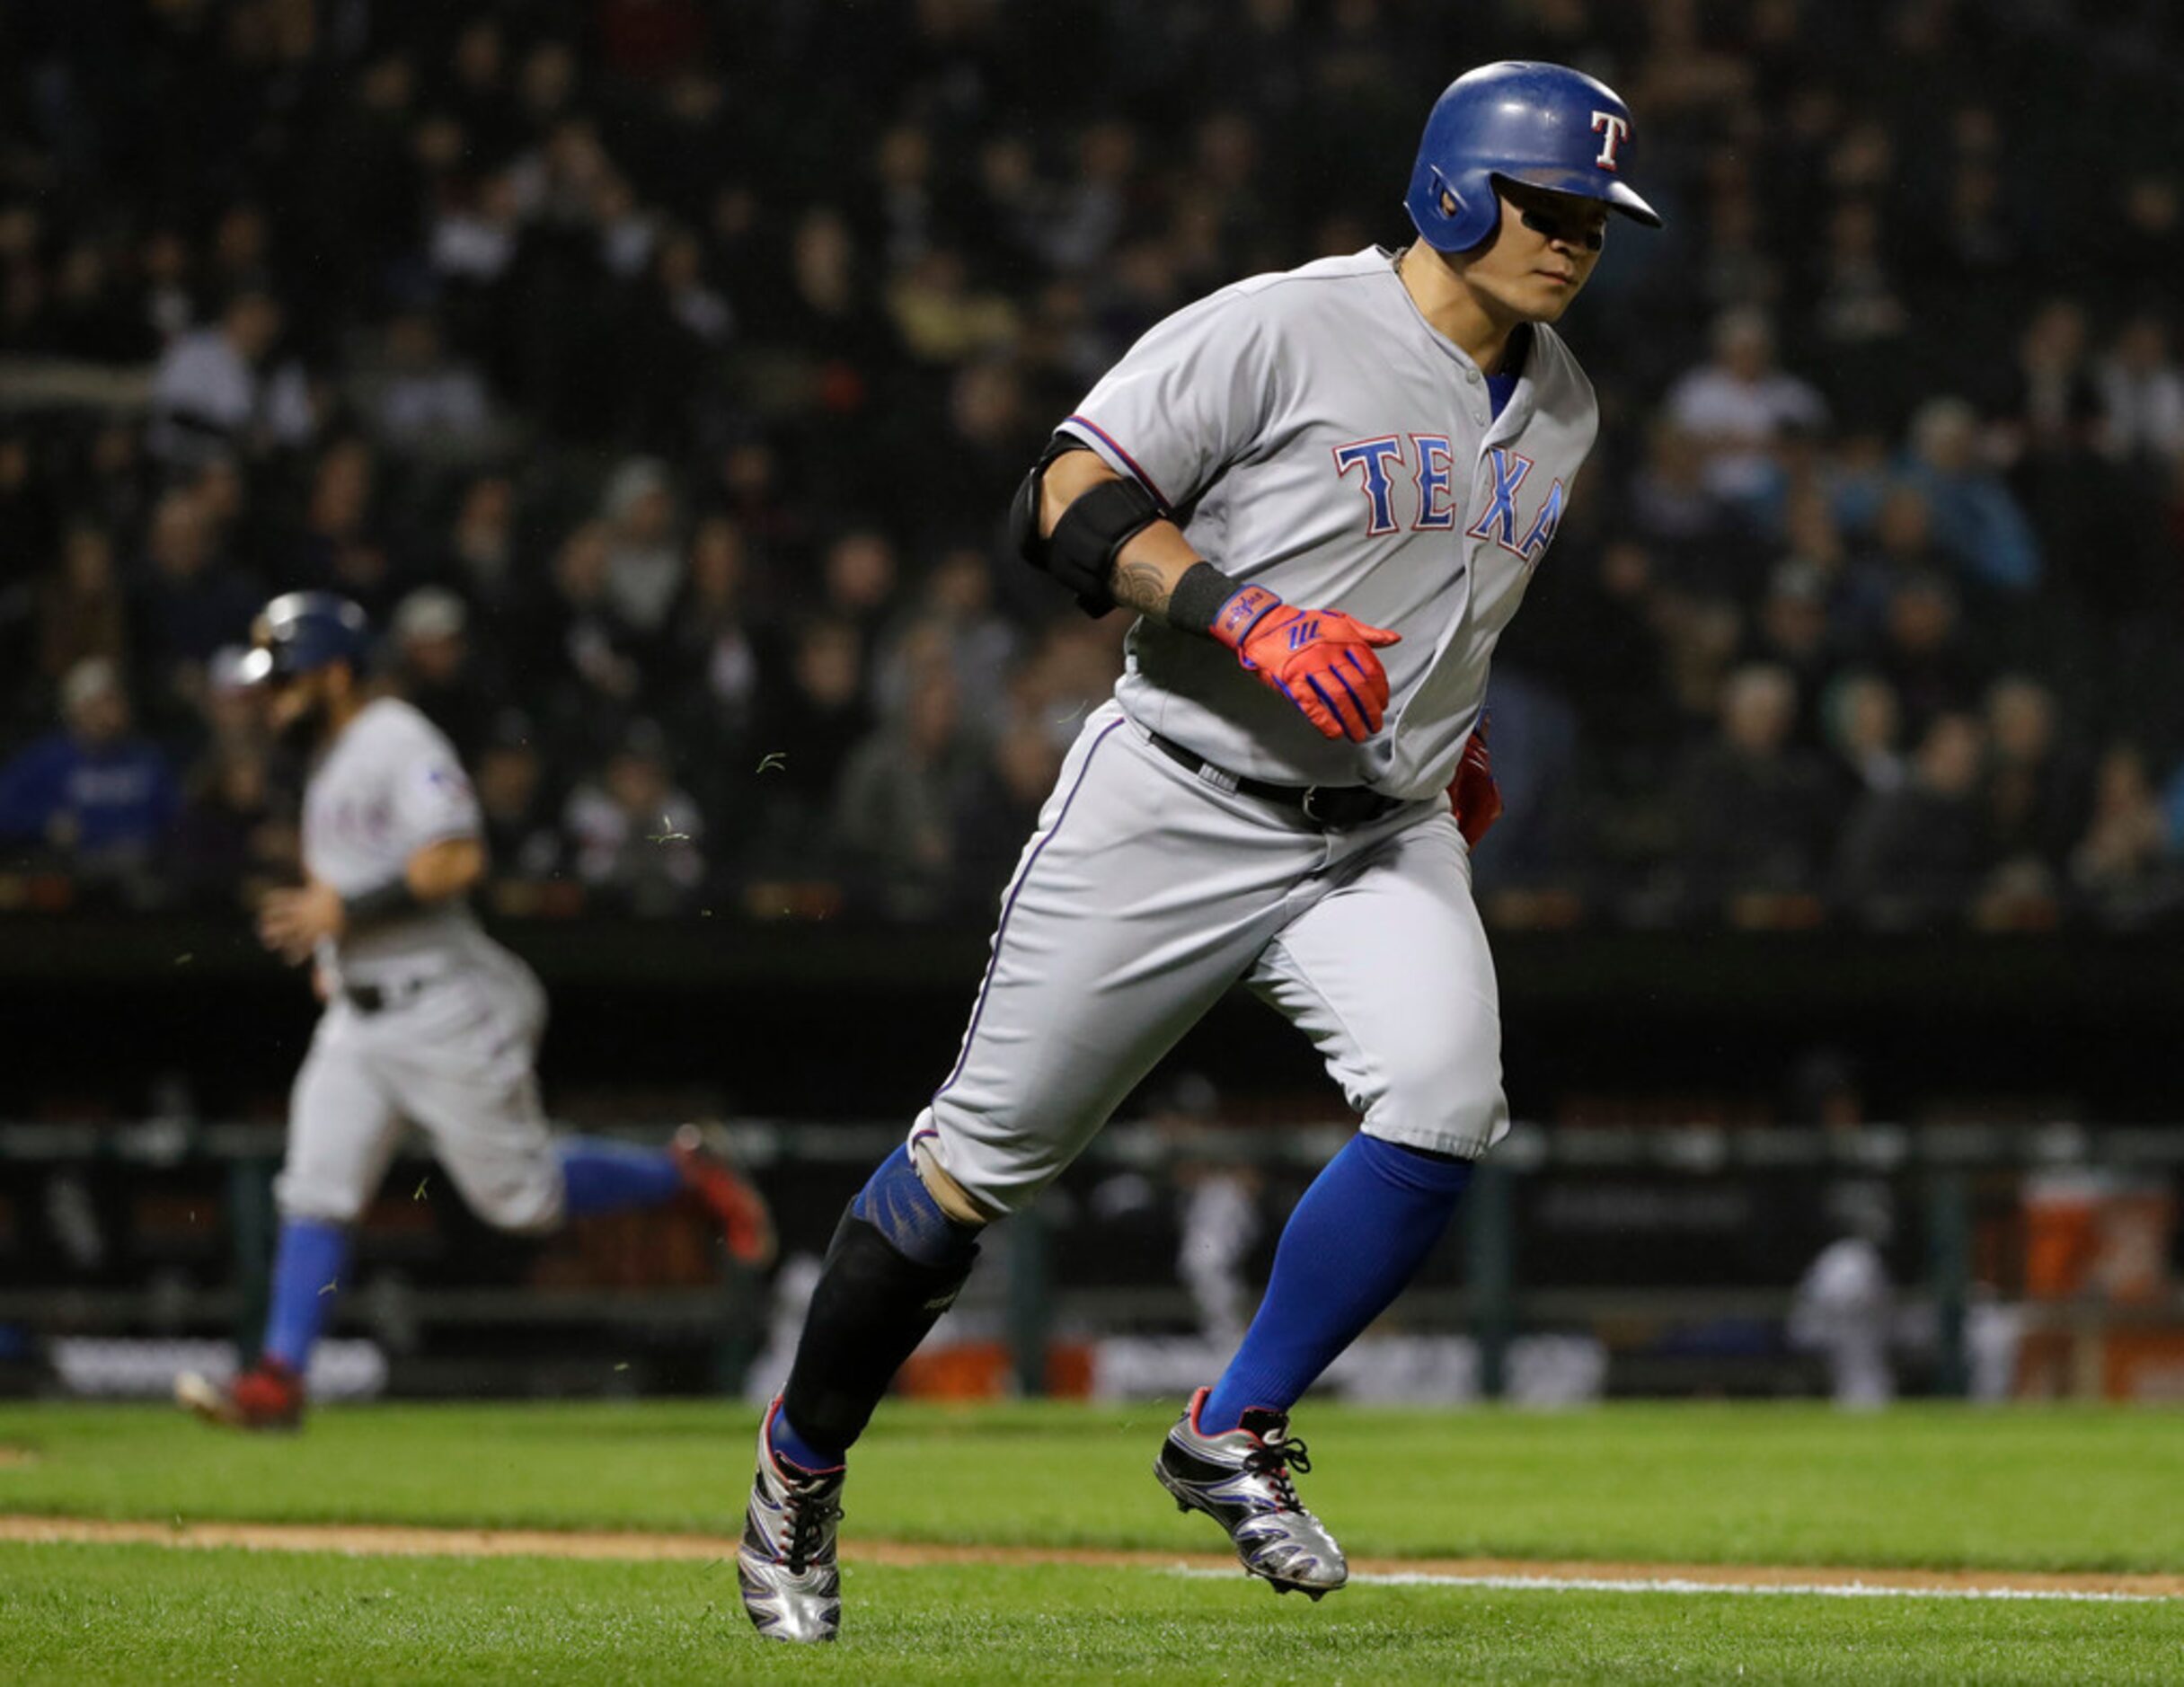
[(1143, 587)]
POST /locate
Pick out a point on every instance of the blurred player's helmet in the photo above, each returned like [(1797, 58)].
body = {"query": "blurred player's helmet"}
[(299, 632), (1545, 125)]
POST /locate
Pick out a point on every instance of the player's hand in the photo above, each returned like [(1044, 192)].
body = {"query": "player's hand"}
[(1320, 659), (1473, 794), (293, 922)]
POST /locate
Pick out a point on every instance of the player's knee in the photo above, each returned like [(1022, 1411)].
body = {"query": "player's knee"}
[(1434, 1104), (299, 1195), (533, 1206), (958, 1203)]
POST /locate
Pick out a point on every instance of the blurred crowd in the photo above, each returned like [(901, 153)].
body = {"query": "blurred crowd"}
[(657, 372)]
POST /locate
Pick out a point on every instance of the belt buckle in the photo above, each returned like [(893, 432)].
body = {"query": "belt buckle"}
[(1349, 805)]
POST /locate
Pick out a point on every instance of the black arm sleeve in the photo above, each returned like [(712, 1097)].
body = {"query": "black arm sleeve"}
[(1081, 552), (394, 900)]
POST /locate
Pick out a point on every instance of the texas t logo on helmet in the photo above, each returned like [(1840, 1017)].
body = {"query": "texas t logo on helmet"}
[(1613, 130), (1543, 125)]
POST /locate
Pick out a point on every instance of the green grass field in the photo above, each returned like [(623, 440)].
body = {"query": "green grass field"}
[(2029, 1491)]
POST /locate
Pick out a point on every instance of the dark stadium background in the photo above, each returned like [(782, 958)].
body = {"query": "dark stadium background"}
[(657, 373)]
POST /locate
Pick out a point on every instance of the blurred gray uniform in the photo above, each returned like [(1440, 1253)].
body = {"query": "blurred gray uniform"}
[(426, 1019), (1314, 434)]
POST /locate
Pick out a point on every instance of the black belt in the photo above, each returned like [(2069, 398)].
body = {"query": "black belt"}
[(371, 998), (1334, 806)]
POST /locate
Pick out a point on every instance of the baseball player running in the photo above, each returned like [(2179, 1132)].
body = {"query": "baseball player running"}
[(1323, 493), (426, 1018)]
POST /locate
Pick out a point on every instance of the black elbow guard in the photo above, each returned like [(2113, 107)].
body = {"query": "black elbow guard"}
[(1081, 552)]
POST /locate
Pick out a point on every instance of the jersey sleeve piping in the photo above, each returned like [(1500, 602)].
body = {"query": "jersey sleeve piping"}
[(1128, 461)]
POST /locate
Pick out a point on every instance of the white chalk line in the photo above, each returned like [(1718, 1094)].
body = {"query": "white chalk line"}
[(1677, 1585)]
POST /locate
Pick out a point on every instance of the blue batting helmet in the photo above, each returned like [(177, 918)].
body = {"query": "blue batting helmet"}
[(300, 632), (1544, 125)]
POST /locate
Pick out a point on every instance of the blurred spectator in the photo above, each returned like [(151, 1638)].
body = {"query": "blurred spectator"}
[(633, 835), (481, 544), (2035, 802), (941, 316), (812, 711), (2142, 392), (900, 790), (1533, 733), (1791, 631), (434, 668), (235, 836), (1976, 520), (1860, 318), (1863, 727), (1752, 807), (715, 657), (1925, 653), (1854, 587), (1740, 405), (1678, 515), (424, 401), (473, 239), (337, 547), (188, 604), (521, 834), (218, 389), (644, 560), (2126, 869), (83, 612), (997, 810), (675, 324), (1700, 638), (860, 576), (1901, 544), (91, 794), (26, 507), (2055, 412), (1596, 636), (956, 605), (573, 650), (1913, 856)]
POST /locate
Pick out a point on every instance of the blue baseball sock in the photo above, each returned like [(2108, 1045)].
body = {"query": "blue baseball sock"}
[(1360, 1233), (790, 1445), (309, 1271), (896, 1202), (610, 1176)]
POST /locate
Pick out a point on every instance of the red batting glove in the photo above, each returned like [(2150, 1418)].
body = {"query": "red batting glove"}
[(1319, 660), (1473, 794)]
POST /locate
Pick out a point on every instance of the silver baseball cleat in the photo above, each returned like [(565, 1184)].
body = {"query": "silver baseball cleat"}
[(791, 1580), (1241, 1479)]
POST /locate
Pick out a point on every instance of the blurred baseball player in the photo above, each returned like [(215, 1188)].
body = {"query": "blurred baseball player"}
[(1323, 493), (426, 1019)]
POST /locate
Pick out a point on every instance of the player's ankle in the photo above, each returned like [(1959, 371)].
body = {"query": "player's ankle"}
[(789, 1448)]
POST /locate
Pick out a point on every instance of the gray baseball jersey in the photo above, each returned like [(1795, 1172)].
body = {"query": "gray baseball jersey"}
[(449, 1038), (391, 785), (1316, 436)]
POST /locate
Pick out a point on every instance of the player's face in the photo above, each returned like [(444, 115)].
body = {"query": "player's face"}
[(1543, 255), (296, 704)]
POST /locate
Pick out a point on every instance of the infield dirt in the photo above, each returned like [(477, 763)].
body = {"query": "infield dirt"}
[(361, 1540)]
